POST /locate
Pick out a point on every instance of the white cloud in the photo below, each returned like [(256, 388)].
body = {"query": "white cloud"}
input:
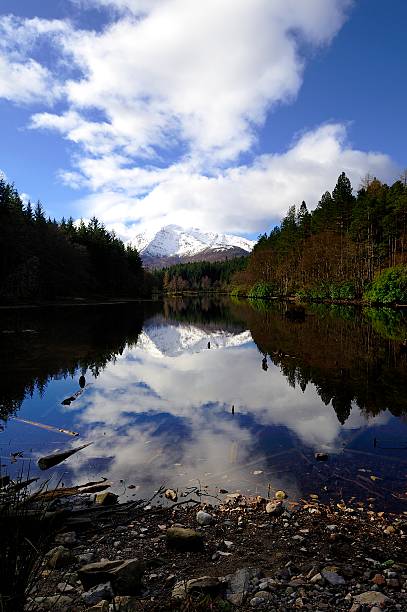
[(24, 79), (200, 75), (239, 199), (162, 101)]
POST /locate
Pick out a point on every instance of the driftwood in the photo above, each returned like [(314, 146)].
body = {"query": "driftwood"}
[(48, 427), (50, 460)]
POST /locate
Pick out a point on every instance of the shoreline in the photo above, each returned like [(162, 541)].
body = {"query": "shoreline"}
[(244, 554)]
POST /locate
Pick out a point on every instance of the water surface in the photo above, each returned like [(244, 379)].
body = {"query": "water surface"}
[(211, 393)]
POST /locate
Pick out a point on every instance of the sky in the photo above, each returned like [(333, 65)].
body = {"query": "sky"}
[(217, 114)]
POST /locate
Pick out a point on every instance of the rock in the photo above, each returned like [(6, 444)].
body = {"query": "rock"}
[(205, 585), (263, 595), (321, 456), (256, 602), (64, 587), (331, 576), (372, 598), (393, 583), (171, 494), (274, 508), (97, 594), (375, 609), (106, 499), (389, 530), (68, 537), (204, 518), (60, 603), (238, 584), (102, 606), (85, 558), (379, 579), (125, 576), (280, 495), (184, 539), (317, 579), (59, 557)]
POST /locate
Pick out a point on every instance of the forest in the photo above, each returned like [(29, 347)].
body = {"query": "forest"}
[(349, 247), (202, 276), (42, 259)]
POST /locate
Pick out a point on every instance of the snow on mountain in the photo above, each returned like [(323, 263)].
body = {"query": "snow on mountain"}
[(175, 241), (174, 340)]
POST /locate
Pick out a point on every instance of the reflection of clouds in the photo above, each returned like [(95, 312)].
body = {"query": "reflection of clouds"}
[(149, 414)]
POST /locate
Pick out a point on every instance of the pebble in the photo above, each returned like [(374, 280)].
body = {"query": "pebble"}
[(204, 518)]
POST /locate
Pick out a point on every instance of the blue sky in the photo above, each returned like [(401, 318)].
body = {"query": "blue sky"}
[(217, 115)]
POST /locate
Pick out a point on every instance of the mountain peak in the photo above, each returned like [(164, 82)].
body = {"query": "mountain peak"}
[(175, 244)]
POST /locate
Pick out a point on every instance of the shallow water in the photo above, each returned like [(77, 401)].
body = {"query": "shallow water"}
[(212, 394)]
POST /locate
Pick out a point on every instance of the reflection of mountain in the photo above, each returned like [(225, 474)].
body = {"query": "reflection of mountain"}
[(173, 339)]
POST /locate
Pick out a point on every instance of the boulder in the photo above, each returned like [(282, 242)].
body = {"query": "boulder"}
[(124, 576), (180, 538)]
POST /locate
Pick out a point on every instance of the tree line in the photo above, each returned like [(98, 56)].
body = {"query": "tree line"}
[(202, 276), (346, 248), (41, 258)]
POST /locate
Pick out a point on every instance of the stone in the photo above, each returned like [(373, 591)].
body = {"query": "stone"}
[(64, 587), (85, 558), (274, 508), (171, 494), (372, 598), (389, 530), (59, 557), (393, 583), (264, 595), (331, 576), (69, 537), (124, 576), (102, 606), (184, 539), (60, 603), (280, 495), (256, 602), (206, 585), (106, 499), (97, 594), (238, 584), (204, 518), (317, 579), (379, 579)]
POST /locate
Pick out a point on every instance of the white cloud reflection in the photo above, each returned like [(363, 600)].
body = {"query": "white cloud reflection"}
[(168, 419)]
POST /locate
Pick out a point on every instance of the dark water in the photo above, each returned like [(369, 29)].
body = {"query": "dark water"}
[(210, 393)]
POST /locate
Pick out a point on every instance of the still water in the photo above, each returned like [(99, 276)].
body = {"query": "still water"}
[(209, 393)]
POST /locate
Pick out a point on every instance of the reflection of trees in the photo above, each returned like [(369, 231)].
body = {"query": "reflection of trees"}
[(339, 351), (44, 344)]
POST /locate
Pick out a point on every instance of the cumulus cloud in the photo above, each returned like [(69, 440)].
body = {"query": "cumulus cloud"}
[(241, 199), (24, 79), (162, 101)]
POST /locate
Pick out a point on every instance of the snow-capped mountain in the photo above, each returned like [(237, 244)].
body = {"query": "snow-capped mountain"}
[(173, 244), (177, 339)]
